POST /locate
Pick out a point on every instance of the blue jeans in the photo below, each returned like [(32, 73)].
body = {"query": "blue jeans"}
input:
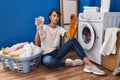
[(54, 58)]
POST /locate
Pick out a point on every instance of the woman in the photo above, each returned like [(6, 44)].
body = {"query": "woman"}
[(49, 38)]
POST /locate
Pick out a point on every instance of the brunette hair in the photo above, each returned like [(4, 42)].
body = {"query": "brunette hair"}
[(56, 10)]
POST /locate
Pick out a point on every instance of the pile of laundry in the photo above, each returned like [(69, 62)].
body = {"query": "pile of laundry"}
[(23, 49), (109, 45)]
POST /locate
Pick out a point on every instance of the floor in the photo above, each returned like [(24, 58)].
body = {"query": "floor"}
[(45, 73)]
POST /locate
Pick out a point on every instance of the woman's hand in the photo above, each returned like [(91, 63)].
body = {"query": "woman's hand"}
[(76, 21), (38, 21), (74, 18)]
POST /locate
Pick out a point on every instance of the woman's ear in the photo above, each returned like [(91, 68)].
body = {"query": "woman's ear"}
[(50, 17)]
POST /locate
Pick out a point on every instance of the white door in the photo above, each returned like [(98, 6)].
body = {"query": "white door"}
[(86, 35)]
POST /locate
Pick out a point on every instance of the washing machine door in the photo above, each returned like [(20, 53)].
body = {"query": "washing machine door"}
[(86, 35)]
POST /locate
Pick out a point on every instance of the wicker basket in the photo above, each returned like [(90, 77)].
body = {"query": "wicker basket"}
[(109, 62)]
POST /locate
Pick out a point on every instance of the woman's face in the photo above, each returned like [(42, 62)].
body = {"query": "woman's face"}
[(54, 17)]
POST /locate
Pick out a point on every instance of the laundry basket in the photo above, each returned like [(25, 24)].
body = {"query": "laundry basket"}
[(19, 64), (109, 62)]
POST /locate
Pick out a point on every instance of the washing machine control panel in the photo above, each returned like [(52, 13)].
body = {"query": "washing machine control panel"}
[(91, 17)]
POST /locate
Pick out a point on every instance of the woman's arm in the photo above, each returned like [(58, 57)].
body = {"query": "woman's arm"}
[(37, 39), (39, 27)]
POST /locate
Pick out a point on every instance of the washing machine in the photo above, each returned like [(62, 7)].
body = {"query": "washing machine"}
[(91, 29)]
